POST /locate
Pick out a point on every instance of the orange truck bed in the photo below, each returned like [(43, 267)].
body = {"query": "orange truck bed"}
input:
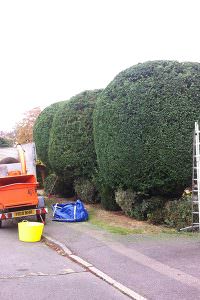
[(16, 191)]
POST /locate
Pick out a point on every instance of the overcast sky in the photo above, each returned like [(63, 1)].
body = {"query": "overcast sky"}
[(52, 50)]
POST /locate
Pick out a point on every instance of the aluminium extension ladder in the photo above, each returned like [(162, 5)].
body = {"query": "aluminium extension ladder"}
[(196, 180)]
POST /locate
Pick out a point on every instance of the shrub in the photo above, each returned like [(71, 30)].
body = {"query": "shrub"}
[(157, 210), (141, 206), (178, 213), (156, 217), (143, 125), (108, 198), (85, 190), (146, 208), (50, 184), (39, 179), (125, 199), (54, 185), (154, 209), (41, 131), (71, 149)]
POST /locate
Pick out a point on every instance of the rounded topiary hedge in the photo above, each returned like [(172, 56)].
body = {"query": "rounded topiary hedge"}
[(143, 125), (71, 148), (41, 131)]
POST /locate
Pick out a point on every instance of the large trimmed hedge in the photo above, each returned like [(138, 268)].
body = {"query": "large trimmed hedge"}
[(41, 131), (143, 125), (71, 149)]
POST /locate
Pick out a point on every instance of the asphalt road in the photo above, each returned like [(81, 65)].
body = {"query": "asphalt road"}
[(34, 271), (161, 267)]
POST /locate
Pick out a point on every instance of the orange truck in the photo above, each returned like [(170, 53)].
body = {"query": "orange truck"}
[(18, 185)]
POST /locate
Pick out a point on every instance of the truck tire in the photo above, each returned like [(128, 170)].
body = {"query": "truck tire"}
[(0, 223)]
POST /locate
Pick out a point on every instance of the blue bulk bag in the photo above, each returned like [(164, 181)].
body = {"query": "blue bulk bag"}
[(69, 212)]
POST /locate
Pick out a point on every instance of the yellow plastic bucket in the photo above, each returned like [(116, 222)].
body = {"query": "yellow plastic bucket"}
[(30, 231)]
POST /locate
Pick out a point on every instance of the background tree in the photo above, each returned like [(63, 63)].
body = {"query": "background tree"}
[(24, 128), (9, 137)]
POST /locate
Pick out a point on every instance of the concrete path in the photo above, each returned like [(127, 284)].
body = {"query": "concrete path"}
[(156, 267)]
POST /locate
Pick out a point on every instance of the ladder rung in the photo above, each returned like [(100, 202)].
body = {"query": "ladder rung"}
[(195, 191), (195, 201), (195, 212), (195, 223)]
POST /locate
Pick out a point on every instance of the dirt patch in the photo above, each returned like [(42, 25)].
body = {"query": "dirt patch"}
[(120, 220), (113, 217)]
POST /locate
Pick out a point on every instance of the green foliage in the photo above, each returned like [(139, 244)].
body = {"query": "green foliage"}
[(85, 190), (144, 207), (156, 217), (157, 210), (54, 185), (178, 213), (153, 209), (125, 199), (108, 198), (50, 184), (140, 206), (5, 142), (41, 131), (71, 149), (143, 124), (39, 179)]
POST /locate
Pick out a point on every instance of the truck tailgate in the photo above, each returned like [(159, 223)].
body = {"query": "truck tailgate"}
[(18, 191)]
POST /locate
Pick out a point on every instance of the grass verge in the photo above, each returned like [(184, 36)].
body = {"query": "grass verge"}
[(120, 224), (136, 227)]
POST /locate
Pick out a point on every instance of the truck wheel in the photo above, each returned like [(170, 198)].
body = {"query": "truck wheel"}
[(43, 217), (0, 223)]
